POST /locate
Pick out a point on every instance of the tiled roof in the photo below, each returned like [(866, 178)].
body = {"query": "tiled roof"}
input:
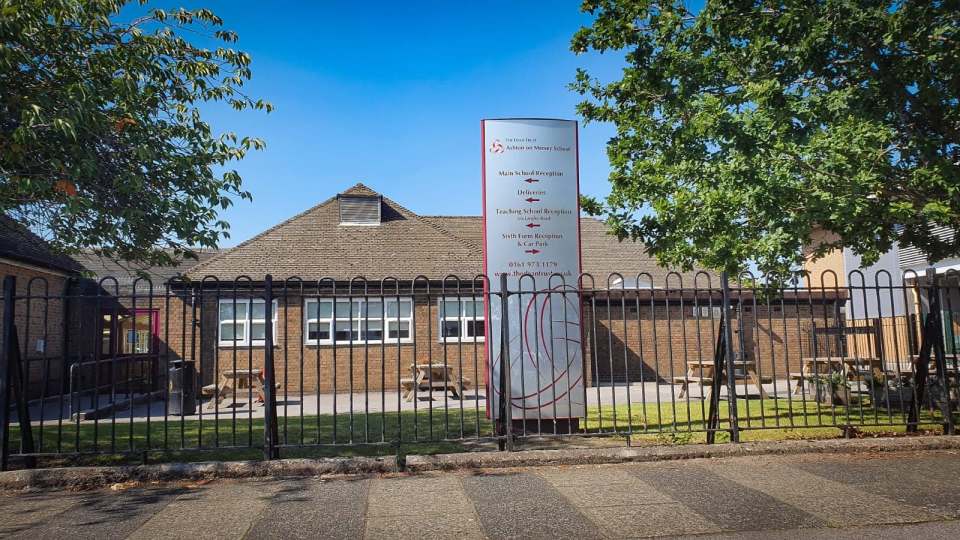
[(98, 267), (20, 244), (314, 245)]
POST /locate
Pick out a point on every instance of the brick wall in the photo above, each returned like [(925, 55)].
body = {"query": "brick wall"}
[(622, 341), (39, 322), (327, 368), (654, 343)]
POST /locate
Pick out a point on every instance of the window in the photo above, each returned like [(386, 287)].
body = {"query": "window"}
[(461, 319), (243, 322), (708, 312), (358, 320), (128, 333)]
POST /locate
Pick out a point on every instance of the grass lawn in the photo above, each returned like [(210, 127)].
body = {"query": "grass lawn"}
[(422, 433)]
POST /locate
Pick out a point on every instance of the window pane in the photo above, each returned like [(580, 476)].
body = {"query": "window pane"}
[(135, 341), (450, 329), (374, 331), (449, 308), (322, 309), (404, 309), (475, 328), (323, 333), (105, 344), (259, 310), (227, 332), (374, 309), (343, 309), (404, 331), (258, 331), (137, 335), (473, 308), (229, 312), (343, 331)]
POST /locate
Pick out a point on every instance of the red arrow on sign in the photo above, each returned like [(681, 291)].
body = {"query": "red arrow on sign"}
[(531, 199), (532, 225), (533, 251), (531, 180)]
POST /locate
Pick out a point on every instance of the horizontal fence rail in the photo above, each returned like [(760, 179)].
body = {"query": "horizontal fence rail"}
[(114, 367)]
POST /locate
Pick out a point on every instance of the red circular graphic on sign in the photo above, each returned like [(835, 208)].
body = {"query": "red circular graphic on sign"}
[(551, 388)]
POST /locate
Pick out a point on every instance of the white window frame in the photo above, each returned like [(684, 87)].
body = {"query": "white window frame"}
[(354, 318), (462, 319), (247, 322), (708, 312)]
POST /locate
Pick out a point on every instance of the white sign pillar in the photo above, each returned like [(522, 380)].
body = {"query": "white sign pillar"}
[(531, 218)]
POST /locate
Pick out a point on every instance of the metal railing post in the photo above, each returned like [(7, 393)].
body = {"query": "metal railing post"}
[(728, 352), (719, 361), (270, 431), (931, 343), (13, 381), (9, 288), (506, 412), (939, 354)]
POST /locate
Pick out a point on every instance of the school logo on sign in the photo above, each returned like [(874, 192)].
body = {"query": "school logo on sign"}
[(496, 147)]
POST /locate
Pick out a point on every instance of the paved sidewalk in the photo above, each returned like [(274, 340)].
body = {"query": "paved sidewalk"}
[(892, 495)]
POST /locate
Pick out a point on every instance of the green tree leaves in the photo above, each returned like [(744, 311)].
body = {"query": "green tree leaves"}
[(102, 144), (744, 127)]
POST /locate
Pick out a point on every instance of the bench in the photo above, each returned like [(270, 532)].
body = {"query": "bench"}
[(685, 383), (706, 382), (432, 377), (798, 377), (234, 383)]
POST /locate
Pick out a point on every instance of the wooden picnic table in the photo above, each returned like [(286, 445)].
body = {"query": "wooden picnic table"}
[(952, 361), (701, 372), (236, 382), (853, 367), (432, 377)]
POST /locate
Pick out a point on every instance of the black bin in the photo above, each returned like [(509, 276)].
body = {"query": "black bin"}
[(182, 388)]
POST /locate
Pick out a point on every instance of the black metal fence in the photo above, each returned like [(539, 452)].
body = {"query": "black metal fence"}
[(419, 365)]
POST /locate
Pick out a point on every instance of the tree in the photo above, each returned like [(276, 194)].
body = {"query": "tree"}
[(744, 127), (102, 144)]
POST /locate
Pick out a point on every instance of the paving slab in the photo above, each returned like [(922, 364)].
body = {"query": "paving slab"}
[(650, 520), (435, 525), (428, 506), (519, 505), (103, 514), (731, 505), (942, 530), (591, 484), (25, 510), (621, 504), (928, 483), (837, 503), (225, 509), (313, 508)]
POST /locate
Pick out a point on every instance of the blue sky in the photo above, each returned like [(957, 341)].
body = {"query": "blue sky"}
[(391, 94)]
